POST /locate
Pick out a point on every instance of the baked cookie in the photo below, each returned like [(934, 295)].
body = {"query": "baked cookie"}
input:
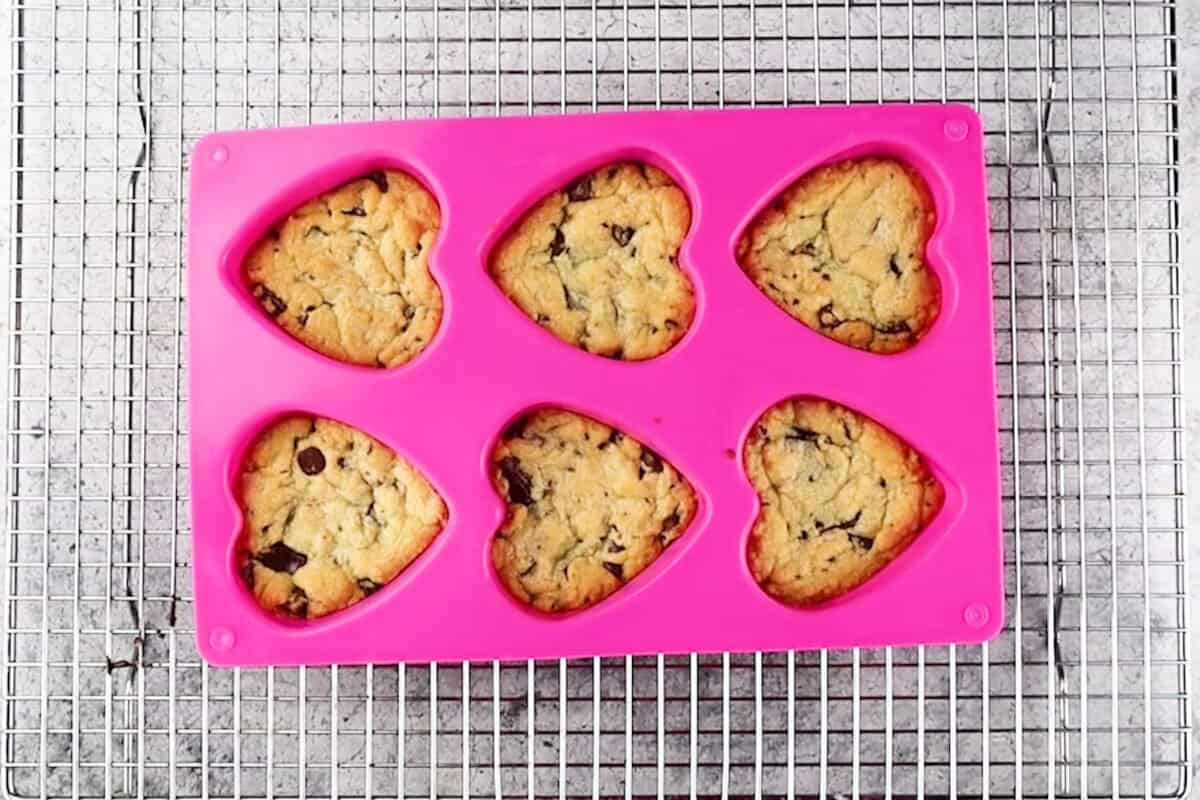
[(842, 250), (331, 515), (841, 497), (348, 273), (588, 509), (596, 263)]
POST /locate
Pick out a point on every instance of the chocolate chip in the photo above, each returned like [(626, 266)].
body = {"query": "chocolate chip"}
[(515, 428), (651, 460), (311, 461), (297, 603), (341, 462), (580, 189), (798, 434), (270, 301), (274, 234), (368, 586), (315, 230), (615, 547), (379, 178), (354, 212), (805, 248), (862, 542), (281, 558), (670, 522), (409, 312), (520, 485), (804, 536), (620, 234), (827, 318), (894, 268), (882, 483), (615, 569), (558, 245)]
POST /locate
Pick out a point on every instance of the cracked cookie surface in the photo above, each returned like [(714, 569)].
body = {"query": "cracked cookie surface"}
[(843, 251), (330, 516), (841, 496), (588, 509), (348, 272), (596, 263)]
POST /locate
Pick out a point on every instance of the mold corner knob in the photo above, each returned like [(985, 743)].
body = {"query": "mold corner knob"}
[(976, 615), (222, 639), (956, 130)]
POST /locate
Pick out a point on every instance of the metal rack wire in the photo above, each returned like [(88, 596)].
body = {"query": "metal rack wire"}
[(1087, 691)]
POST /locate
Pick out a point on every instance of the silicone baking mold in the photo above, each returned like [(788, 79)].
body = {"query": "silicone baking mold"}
[(489, 363)]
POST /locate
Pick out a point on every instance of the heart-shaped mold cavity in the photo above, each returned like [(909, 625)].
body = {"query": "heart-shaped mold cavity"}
[(330, 516), (843, 251), (588, 509), (596, 263), (348, 275), (840, 496)]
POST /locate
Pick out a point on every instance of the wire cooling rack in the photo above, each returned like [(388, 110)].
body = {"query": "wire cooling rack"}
[(1086, 693)]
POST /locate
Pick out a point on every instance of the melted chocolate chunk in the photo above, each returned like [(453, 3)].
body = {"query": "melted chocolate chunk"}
[(581, 189), (379, 178), (354, 212), (845, 525), (270, 301), (281, 558), (368, 586), (297, 603), (311, 461), (620, 234), (670, 522), (892, 328), (827, 318), (558, 245), (520, 484), (651, 460), (615, 569), (799, 434), (613, 438), (861, 542)]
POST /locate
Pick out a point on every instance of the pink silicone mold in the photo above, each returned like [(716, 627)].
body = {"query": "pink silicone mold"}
[(488, 363)]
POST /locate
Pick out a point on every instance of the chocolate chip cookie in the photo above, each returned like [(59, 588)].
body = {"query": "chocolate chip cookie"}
[(841, 497), (348, 273), (330, 516), (842, 250), (588, 509), (596, 263)]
